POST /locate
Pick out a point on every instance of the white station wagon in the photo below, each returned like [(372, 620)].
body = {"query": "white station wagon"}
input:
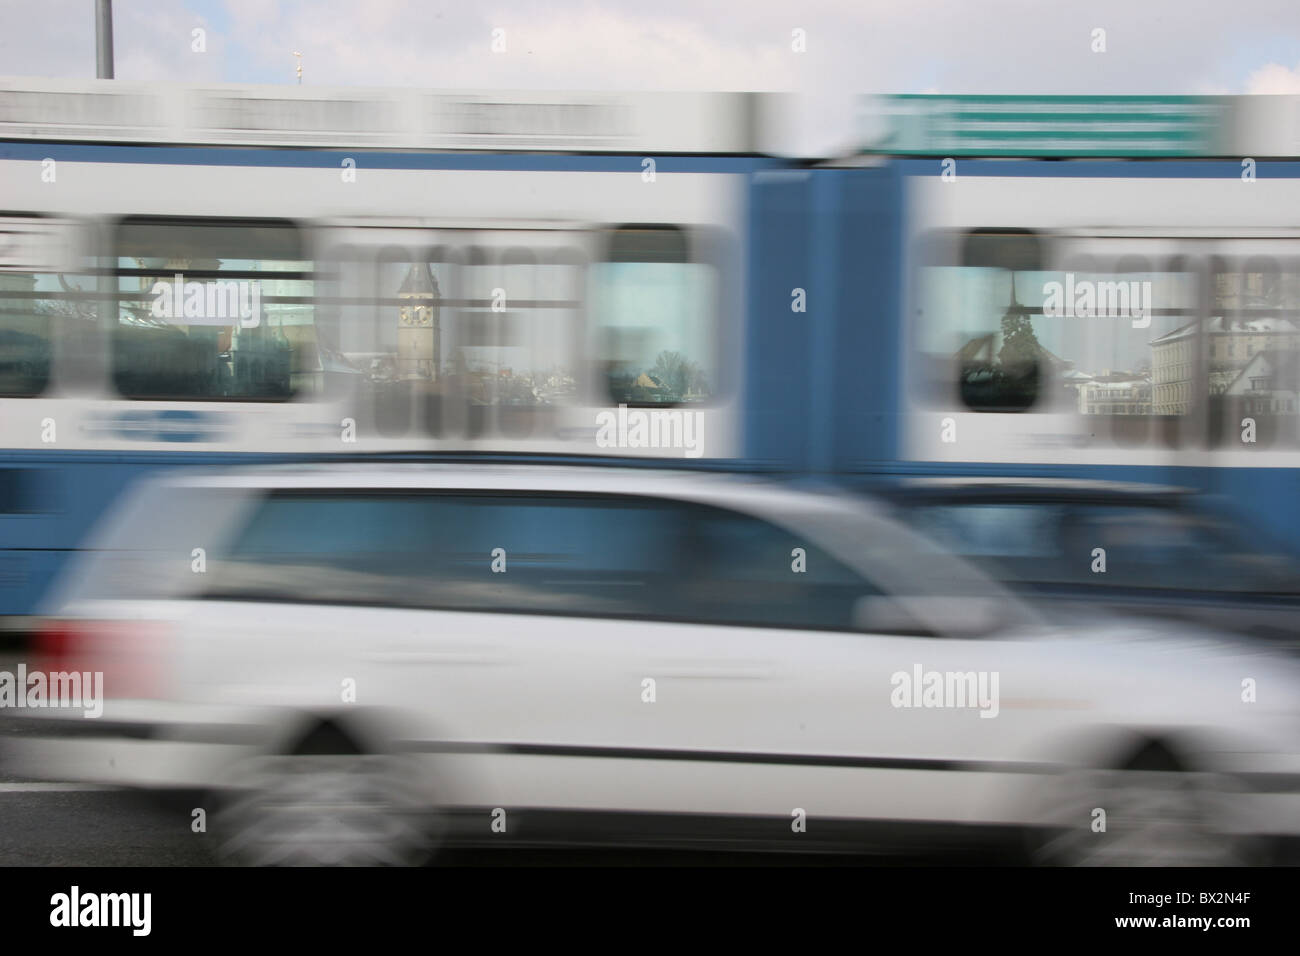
[(363, 663)]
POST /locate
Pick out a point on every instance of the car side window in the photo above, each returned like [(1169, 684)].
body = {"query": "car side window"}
[(579, 555), (1020, 542), (1155, 548), (1053, 543), (561, 554), (510, 552), (330, 548), (744, 570)]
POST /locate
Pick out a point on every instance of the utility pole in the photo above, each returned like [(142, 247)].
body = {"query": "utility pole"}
[(299, 56), (104, 39), (104, 71)]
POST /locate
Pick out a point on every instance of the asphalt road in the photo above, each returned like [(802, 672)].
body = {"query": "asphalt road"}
[(50, 824), (44, 824), (70, 824), (52, 827)]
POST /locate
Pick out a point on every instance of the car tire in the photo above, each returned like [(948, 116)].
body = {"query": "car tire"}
[(1151, 811), (324, 802)]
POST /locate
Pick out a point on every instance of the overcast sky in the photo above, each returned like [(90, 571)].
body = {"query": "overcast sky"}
[(852, 46)]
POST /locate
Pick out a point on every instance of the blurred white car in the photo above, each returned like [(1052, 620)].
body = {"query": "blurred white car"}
[(360, 663)]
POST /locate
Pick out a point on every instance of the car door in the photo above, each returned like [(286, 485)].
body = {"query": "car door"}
[(495, 631), (529, 662), (784, 697)]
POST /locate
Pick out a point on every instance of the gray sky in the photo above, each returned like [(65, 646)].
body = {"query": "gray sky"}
[(853, 46)]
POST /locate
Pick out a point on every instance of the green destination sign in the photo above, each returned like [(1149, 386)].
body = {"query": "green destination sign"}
[(1043, 125)]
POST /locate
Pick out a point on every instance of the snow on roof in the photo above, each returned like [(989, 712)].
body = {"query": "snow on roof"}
[(1283, 366), (1220, 325), (1127, 383)]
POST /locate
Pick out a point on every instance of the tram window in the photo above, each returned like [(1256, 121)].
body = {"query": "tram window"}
[(215, 310), (653, 315), (30, 304), (1127, 341), (1107, 335), (1252, 346), (342, 291), (513, 348), (25, 332), (976, 310), (459, 339), (397, 339)]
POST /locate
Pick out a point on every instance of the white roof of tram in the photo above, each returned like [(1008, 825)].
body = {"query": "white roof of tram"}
[(247, 115)]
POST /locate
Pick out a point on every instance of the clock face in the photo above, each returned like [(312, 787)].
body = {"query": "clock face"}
[(406, 316)]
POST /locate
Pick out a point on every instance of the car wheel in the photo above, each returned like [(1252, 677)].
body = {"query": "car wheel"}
[(1149, 813), (341, 807)]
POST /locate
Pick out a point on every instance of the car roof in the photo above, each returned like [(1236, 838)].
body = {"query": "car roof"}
[(840, 516), (731, 488), (1029, 487)]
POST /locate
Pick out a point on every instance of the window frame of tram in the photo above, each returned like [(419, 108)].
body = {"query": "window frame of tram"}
[(690, 246), (30, 352), (342, 274), (129, 365), (1227, 412)]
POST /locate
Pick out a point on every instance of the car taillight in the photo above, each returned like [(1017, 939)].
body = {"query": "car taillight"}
[(129, 654), (56, 645)]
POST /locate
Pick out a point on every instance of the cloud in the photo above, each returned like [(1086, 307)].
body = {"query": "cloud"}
[(584, 47), (853, 46), (1274, 78), (151, 41)]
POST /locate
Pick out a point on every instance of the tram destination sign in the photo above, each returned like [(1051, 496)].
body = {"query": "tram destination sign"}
[(1043, 125)]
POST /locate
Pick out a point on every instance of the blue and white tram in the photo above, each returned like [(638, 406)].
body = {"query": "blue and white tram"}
[(186, 276), (1070, 314), (1043, 286)]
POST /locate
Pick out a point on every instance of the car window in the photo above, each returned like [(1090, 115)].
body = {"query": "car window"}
[(992, 530), (601, 555), (1169, 548), (641, 558), (458, 550), (744, 570), (153, 543), (1144, 546), (1016, 542)]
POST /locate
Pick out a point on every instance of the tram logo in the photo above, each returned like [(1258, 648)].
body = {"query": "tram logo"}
[(208, 303), (1085, 299)]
